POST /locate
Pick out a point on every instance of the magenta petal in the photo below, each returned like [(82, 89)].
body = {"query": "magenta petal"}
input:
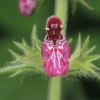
[(56, 70), (67, 50), (44, 51), (56, 57), (26, 7)]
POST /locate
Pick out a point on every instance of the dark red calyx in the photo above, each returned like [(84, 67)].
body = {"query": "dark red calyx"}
[(53, 28)]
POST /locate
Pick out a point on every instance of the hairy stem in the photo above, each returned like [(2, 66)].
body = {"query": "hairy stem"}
[(61, 10), (55, 88)]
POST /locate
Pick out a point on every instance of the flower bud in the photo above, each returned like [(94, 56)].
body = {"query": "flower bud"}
[(26, 7)]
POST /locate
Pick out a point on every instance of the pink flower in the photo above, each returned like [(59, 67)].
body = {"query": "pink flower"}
[(26, 7), (55, 49)]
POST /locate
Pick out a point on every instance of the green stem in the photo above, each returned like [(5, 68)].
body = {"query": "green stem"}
[(55, 88), (61, 10)]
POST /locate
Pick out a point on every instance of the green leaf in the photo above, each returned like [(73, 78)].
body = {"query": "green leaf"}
[(85, 4), (92, 58), (24, 42), (19, 68), (14, 54), (38, 4), (77, 50), (34, 39), (16, 73), (81, 62), (89, 51), (25, 49), (95, 74), (70, 41), (85, 45), (29, 62), (94, 67), (73, 6)]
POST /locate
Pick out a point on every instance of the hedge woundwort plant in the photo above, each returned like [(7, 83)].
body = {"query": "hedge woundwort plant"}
[(52, 56)]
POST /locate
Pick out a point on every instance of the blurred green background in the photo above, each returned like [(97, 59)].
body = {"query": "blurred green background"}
[(35, 87)]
